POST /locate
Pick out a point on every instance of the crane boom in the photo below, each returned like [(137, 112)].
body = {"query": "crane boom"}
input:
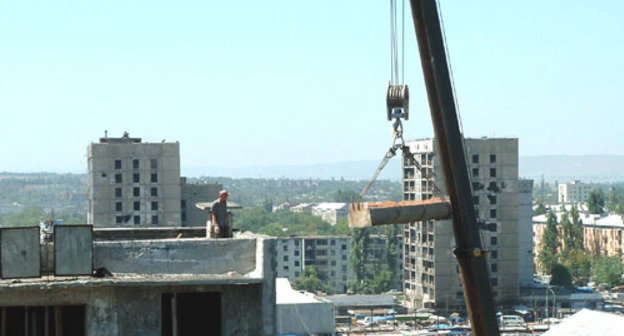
[(470, 256)]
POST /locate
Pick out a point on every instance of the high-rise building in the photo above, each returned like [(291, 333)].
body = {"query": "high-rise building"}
[(575, 192), (133, 183), (431, 274)]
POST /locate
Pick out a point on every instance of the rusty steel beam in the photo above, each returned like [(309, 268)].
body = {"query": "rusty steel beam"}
[(365, 214), (470, 256)]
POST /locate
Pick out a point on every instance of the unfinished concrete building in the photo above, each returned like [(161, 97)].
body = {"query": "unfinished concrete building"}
[(143, 287), (133, 183), (431, 274)]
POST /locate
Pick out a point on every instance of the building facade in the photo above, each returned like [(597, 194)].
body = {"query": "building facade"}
[(332, 213), (575, 192), (133, 183), (602, 234), (331, 257), (196, 193), (431, 274)]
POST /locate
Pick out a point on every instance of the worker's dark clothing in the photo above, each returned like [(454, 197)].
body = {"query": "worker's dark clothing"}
[(220, 213)]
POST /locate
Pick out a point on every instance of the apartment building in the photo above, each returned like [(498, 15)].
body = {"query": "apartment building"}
[(133, 183), (331, 256), (431, 274), (575, 192), (602, 234), (331, 212)]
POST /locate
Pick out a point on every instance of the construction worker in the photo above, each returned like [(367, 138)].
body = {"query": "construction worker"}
[(220, 227)]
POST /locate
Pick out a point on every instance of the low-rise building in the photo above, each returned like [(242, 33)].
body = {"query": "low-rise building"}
[(302, 313), (332, 213), (602, 234)]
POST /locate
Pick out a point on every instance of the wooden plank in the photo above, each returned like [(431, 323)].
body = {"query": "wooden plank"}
[(366, 214)]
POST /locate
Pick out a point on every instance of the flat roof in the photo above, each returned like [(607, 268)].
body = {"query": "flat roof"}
[(127, 280)]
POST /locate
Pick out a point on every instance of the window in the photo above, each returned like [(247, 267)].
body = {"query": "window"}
[(117, 164), (492, 158), (492, 199), (343, 247), (184, 216), (297, 274), (332, 242), (494, 282), (344, 257), (493, 241), (285, 268), (475, 158), (118, 178), (118, 206), (494, 254), (137, 206), (136, 178), (494, 268), (333, 252), (153, 163), (119, 219), (296, 253), (182, 202), (285, 248), (297, 263), (117, 192), (286, 258), (475, 172), (492, 172), (155, 219), (296, 242), (333, 262), (154, 206), (344, 268), (135, 164), (492, 213), (137, 219), (136, 191), (475, 199), (154, 193), (154, 178), (40, 320)]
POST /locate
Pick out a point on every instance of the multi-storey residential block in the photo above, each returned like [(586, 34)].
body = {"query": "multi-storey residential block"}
[(329, 254), (602, 234), (431, 274), (133, 183), (575, 192), (331, 257)]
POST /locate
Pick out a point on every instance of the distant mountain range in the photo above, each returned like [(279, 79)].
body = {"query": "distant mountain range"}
[(562, 168)]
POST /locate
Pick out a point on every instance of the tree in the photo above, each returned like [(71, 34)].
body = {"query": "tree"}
[(359, 243), (347, 196), (540, 209), (310, 281), (608, 270), (566, 232), (560, 276), (578, 236), (548, 250), (579, 264), (380, 283), (391, 232), (595, 202)]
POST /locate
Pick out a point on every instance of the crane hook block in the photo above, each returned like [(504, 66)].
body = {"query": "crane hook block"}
[(397, 100)]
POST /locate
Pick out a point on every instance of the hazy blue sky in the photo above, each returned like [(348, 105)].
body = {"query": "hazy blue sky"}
[(243, 83)]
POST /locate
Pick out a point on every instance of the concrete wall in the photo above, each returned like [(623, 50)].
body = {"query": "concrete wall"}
[(197, 193), (102, 183), (122, 308), (305, 318), (177, 256)]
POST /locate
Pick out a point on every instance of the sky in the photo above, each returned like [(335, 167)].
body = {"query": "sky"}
[(262, 83)]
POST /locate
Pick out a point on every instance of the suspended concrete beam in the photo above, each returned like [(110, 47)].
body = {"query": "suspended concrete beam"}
[(365, 214)]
